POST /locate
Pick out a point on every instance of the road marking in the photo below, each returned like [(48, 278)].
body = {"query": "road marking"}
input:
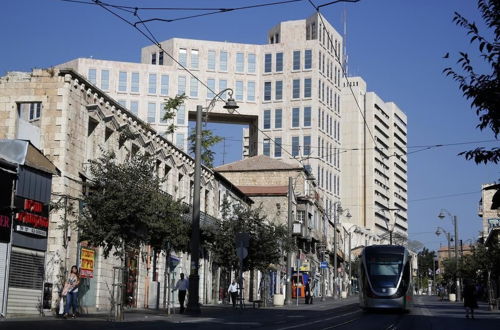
[(321, 320)]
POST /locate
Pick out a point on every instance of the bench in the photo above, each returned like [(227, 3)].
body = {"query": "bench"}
[(258, 302)]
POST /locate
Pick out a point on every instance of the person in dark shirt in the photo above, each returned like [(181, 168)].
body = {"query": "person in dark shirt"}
[(470, 300)]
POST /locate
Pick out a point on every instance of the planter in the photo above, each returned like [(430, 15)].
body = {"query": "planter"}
[(452, 297), (278, 300)]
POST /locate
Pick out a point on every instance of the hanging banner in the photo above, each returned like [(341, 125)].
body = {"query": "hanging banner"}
[(87, 263)]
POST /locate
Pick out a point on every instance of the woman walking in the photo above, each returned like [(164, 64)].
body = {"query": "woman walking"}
[(71, 292)]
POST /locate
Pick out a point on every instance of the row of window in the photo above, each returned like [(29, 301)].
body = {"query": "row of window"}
[(300, 117), (296, 89), (130, 82), (305, 147), (326, 40), (328, 180), (152, 111), (328, 152), (243, 62), (327, 67), (238, 90), (297, 61), (328, 96), (328, 124)]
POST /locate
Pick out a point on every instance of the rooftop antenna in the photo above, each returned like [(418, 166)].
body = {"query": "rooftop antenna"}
[(344, 44)]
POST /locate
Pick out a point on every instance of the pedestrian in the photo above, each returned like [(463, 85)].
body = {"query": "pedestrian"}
[(470, 299), (233, 291), (70, 291), (182, 285), (308, 292)]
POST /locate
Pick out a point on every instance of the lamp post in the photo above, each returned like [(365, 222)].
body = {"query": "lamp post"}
[(193, 305), (454, 220), (338, 211), (448, 237)]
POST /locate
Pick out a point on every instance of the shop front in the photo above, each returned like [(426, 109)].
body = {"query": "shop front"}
[(25, 254)]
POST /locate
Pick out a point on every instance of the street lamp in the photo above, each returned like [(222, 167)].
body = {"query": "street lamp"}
[(440, 230), (338, 211), (454, 220), (193, 306)]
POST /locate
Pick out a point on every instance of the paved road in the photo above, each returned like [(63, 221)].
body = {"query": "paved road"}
[(428, 314)]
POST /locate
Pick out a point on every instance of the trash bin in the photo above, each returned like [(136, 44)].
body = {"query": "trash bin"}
[(452, 297)]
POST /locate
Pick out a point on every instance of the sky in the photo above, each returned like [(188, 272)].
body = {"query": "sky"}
[(396, 46)]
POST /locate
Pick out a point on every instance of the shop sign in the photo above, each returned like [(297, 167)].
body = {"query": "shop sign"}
[(4, 228), (305, 267), (87, 263), (494, 222), (5, 209), (32, 217)]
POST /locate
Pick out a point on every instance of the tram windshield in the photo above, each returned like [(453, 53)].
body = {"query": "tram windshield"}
[(384, 269)]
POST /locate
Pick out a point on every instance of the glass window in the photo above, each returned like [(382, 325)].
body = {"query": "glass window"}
[(308, 59), (163, 111), (123, 103), (239, 90), (240, 62), (151, 112), (251, 91), (193, 87), (267, 91), (211, 88), (152, 83), (134, 85), (179, 140), (267, 147), (267, 119), (296, 117), (278, 118), (307, 145), (295, 146), (153, 58), (181, 115), (181, 85), (93, 76), (268, 62), (183, 56), (251, 63), (164, 84), (279, 62), (296, 88), (160, 58), (223, 61), (296, 60), (211, 60), (307, 116), (122, 81), (134, 107), (307, 87), (277, 147), (222, 86), (279, 90), (195, 59), (105, 80)]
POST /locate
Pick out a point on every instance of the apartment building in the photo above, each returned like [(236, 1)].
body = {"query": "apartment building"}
[(375, 161)]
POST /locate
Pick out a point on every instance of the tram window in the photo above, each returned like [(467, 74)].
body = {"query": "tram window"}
[(384, 269)]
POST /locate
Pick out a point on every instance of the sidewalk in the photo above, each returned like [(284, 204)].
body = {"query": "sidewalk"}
[(208, 312)]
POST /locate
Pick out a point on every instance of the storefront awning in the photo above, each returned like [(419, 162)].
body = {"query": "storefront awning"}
[(22, 152)]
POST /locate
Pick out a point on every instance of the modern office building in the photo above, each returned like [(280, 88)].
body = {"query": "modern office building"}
[(374, 147), (288, 90)]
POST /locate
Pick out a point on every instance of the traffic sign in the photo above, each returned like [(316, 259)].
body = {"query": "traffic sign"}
[(241, 252), (323, 264)]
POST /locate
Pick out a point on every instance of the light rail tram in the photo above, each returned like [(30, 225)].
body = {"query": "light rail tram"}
[(385, 278)]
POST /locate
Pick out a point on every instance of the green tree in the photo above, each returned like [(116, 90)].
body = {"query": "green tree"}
[(208, 140), (171, 106), (425, 263), (267, 245), (127, 209), (483, 89)]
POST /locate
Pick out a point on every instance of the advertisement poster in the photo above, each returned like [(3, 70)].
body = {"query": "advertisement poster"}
[(87, 263)]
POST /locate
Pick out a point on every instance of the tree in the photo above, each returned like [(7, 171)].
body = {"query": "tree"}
[(425, 263), (171, 106), (208, 140), (482, 89), (127, 209), (267, 245)]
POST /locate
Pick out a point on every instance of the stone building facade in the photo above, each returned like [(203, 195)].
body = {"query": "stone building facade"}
[(72, 121)]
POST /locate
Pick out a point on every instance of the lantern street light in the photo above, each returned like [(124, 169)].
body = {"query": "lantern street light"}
[(193, 306), (454, 220)]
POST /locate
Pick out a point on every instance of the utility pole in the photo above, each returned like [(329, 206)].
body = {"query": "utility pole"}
[(289, 255), (350, 264), (335, 220), (459, 294)]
